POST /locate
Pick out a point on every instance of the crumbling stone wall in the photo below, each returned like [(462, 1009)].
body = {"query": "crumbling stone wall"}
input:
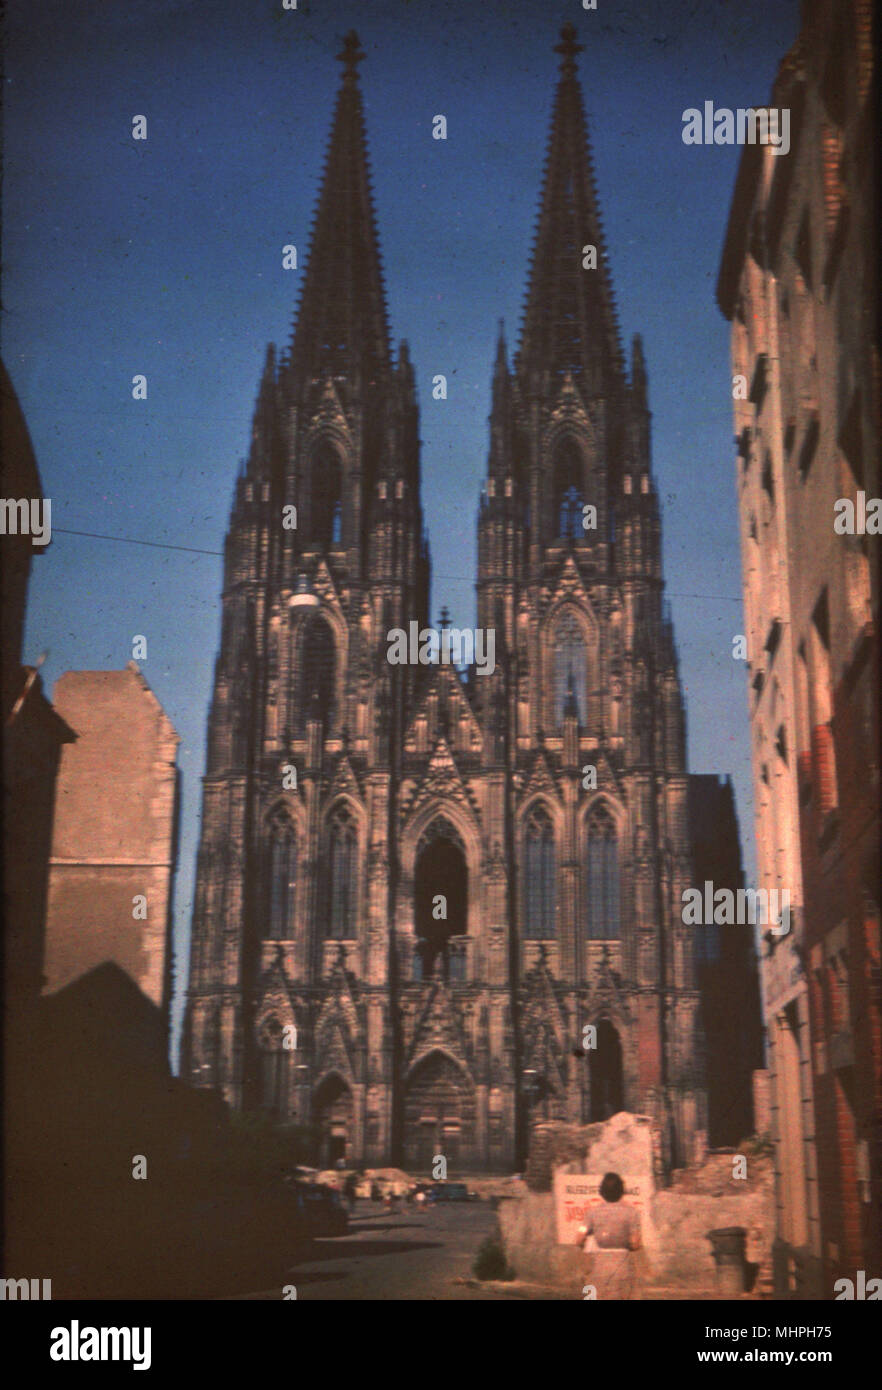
[(625, 1144), (677, 1251)]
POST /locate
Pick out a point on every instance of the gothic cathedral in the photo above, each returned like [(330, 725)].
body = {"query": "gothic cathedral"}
[(435, 906)]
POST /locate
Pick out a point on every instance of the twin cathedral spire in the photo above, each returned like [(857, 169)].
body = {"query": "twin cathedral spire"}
[(437, 881)]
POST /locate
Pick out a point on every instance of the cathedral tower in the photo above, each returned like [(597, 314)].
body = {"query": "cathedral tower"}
[(583, 720), (290, 957), (435, 907)]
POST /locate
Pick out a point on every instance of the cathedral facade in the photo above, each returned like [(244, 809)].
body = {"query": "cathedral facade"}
[(436, 906)]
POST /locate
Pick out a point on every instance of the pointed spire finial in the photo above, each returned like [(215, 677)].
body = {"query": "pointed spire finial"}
[(350, 55), (638, 365), (568, 48), (584, 341), (341, 328), (501, 351)]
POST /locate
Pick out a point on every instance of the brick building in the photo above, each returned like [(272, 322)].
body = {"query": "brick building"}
[(115, 838), (798, 283), (346, 798), (33, 732)]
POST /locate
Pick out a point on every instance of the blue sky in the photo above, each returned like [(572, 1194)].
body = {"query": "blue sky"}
[(163, 257)]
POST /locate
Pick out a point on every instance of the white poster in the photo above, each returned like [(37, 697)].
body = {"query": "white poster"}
[(574, 1193)]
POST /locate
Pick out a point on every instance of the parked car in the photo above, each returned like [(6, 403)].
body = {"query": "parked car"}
[(448, 1192)]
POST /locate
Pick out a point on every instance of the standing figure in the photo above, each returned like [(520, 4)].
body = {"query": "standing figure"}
[(611, 1235)]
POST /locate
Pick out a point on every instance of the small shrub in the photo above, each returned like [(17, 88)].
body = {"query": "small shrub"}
[(490, 1261), (759, 1145)]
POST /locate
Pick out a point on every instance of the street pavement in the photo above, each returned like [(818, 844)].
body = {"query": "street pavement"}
[(412, 1254)]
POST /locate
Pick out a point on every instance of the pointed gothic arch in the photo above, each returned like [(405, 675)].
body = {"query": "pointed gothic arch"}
[(273, 1067), (458, 814), (602, 885), (315, 674), (439, 1112), (287, 809), (539, 879), (569, 668), (280, 879), (333, 1116), (441, 885), (326, 477), (568, 489), (607, 1073), (342, 872)]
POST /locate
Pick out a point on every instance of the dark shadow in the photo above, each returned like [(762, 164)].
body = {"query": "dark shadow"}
[(383, 1226), (441, 873), (605, 1062), (320, 1276), (367, 1248)]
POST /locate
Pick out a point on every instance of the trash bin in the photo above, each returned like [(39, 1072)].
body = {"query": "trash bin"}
[(728, 1246)]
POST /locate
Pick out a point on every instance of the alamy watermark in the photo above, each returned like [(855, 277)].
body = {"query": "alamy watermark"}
[(728, 907), (861, 517), (27, 516), (430, 646), (861, 1288), (28, 1289), (77, 1343), (747, 126)]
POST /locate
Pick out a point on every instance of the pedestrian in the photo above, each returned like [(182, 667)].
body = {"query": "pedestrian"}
[(349, 1190), (610, 1237)]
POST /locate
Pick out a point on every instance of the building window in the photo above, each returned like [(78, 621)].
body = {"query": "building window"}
[(273, 1070), (570, 669), (417, 963), (317, 660), (602, 879), (327, 497), (821, 703), (570, 515), (540, 873), (282, 870), (568, 498), (456, 963), (343, 872)]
